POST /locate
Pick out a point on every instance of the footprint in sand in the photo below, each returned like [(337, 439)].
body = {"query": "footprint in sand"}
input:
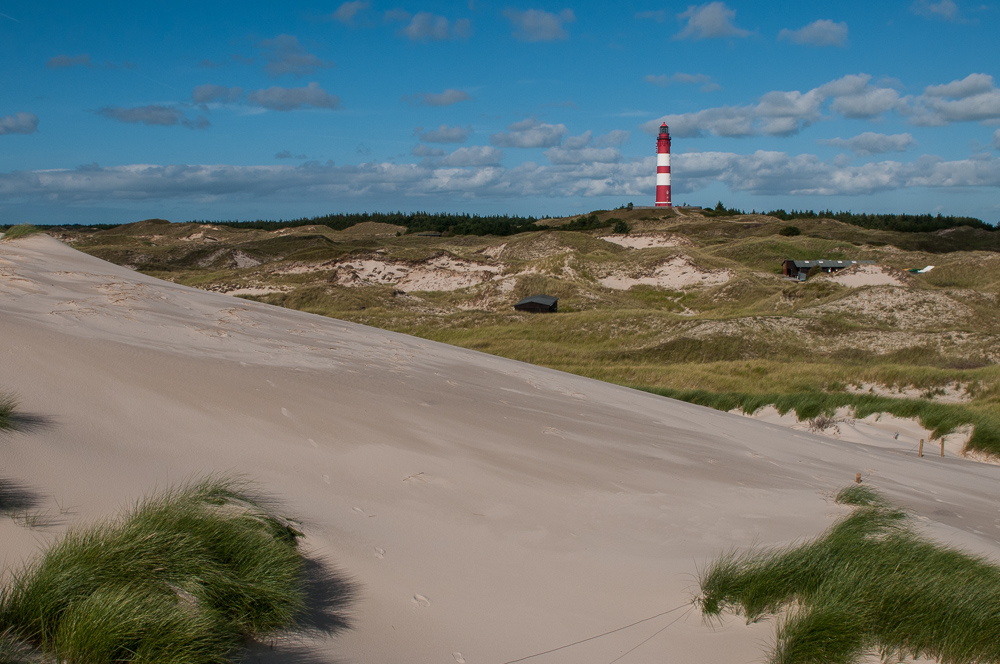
[(312, 442), (379, 552), (458, 657), (421, 601), (326, 479), (284, 411)]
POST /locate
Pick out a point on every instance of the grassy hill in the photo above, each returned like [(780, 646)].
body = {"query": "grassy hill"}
[(686, 303)]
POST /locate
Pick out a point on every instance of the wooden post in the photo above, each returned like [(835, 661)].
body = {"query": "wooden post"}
[(920, 451), (857, 478), (942, 445)]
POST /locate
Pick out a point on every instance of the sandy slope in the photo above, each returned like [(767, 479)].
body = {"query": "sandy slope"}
[(487, 509)]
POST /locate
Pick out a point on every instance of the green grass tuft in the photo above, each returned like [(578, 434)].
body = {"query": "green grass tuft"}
[(186, 576), (20, 230), (8, 408), (870, 585)]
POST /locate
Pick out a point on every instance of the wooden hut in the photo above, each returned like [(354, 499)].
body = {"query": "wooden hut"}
[(538, 304)]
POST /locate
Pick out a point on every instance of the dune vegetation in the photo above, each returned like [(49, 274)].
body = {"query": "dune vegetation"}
[(189, 576), (684, 302), (20, 230), (870, 585), (8, 407)]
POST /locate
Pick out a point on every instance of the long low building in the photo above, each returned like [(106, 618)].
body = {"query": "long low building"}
[(799, 269)]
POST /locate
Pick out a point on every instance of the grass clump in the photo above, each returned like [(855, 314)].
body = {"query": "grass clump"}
[(186, 576), (870, 585), (20, 230), (8, 408)]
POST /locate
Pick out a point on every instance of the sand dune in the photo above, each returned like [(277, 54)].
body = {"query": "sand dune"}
[(487, 509)]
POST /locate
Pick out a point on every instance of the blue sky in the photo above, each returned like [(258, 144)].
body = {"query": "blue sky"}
[(119, 111)]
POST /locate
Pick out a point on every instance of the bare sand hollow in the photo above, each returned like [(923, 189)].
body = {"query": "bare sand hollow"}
[(487, 509)]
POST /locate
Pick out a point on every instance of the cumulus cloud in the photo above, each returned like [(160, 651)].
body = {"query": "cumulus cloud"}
[(945, 9), (709, 21), (425, 26), (823, 32), (421, 150), (562, 155), (446, 98), (662, 80), (289, 99), (783, 113), (870, 143), (529, 134), (536, 25), (63, 61), (285, 55), (19, 123), (480, 155), (974, 98), (445, 134), (208, 93), (346, 12), (153, 115), (762, 172)]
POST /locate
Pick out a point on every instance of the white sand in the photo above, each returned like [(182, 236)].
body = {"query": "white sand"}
[(868, 275), (648, 241), (487, 509), (675, 272)]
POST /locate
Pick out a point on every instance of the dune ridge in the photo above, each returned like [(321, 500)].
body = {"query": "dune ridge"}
[(487, 509)]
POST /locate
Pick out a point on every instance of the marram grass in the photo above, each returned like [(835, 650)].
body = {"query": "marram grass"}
[(19, 231), (183, 577), (8, 407), (870, 585)]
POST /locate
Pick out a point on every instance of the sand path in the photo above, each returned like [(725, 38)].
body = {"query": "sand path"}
[(486, 508)]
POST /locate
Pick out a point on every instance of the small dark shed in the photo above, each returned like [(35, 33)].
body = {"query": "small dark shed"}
[(538, 304), (799, 269)]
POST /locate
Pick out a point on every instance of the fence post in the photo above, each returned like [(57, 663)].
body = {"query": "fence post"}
[(857, 478), (920, 451), (942, 445)]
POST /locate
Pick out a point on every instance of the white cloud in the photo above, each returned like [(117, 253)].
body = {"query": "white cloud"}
[(289, 99), (479, 155), (823, 32), (421, 150), (974, 98), (285, 55), (62, 61), (615, 137), (870, 143), (425, 26), (996, 140), (973, 84), (529, 134), (346, 12), (708, 21), (783, 113), (153, 115), (662, 80), (208, 93), (19, 123), (446, 134), (945, 9), (536, 25), (770, 173), (562, 155), (446, 98)]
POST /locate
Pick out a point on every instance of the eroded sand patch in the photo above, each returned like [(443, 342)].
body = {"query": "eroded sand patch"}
[(676, 272), (648, 241), (441, 273), (869, 275), (904, 308)]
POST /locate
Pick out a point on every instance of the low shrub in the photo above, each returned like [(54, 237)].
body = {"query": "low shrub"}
[(186, 576), (790, 231), (870, 585), (8, 406)]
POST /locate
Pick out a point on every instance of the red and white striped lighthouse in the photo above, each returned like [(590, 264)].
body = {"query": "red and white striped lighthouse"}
[(663, 167)]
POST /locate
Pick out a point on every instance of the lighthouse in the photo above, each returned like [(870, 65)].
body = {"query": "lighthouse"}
[(663, 167)]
